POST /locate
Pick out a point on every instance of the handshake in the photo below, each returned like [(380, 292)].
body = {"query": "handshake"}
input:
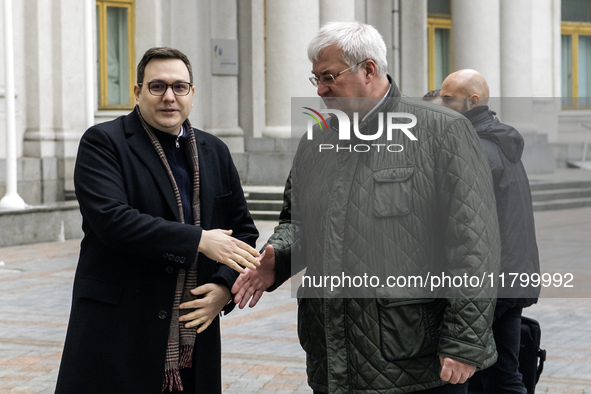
[(257, 270)]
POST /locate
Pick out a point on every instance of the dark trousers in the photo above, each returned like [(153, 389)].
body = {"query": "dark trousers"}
[(445, 389), (503, 377)]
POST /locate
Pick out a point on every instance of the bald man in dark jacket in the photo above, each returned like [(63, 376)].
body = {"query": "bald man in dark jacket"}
[(466, 91)]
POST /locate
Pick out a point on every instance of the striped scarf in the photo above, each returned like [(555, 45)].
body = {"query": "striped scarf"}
[(181, 340)]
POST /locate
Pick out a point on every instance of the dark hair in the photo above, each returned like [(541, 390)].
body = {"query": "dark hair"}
[(161, 53), (431, 95)]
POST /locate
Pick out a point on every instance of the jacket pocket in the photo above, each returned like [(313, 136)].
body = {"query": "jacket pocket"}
[(409, 327), (98, 291), (392, 194), (311, 326), (303, 325), (223, 201)]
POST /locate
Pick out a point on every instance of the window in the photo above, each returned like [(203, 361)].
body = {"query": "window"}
[(439, 41), (576, 54), (115, 46)]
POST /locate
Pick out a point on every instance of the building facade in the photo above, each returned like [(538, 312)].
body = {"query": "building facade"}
[(75, 64)]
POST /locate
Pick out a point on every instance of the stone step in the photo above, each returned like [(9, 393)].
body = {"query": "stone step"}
[(54, 222), (561, 194), (568, 203), (265, 205), (265, 215), (265, 202), (70, 195), (536, 185), (263, 192)]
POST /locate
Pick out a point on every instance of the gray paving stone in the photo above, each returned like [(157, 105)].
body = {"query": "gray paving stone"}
[(35, 303)]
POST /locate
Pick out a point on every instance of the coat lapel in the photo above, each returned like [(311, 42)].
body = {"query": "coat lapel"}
[(206, 187), (140, 144)]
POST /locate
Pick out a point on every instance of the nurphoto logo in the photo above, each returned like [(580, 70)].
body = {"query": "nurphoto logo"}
[(345, 123)]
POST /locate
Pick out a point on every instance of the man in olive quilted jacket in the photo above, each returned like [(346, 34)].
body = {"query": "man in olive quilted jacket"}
[(419, 202)]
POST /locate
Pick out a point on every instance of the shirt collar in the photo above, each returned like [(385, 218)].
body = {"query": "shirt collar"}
[(374, 109)]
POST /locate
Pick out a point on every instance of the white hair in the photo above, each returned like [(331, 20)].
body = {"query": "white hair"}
[(357, 41)]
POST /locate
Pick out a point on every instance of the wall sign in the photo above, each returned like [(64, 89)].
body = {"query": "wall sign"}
[(224, 57)]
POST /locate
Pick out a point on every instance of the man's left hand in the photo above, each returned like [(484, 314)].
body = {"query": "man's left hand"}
[(454, 371), (215, 297)]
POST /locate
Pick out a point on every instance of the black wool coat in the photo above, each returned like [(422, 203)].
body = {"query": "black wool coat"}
[(133, 248)]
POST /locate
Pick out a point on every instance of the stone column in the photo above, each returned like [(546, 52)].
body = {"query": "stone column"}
[(544, 29), (89, 62), (69, 91), (40, 136), (290, 25), (190, 26), (223, 91), (546, 73), (476, 39), (414, 67), (379, 15), (337, 10), (516, 52), (54, 86), (251, 88), (517, 84), (155, 27), (516, 64), (11, 199)]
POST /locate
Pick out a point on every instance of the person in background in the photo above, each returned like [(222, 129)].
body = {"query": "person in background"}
[(383, 210), (166, 230), (433, 96), (467, 92)]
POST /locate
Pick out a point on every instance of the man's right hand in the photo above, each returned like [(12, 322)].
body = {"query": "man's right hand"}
[(220, 246), (454, 371), (251, 284)]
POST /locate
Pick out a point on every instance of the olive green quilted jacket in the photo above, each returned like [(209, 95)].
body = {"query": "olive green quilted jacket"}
[(416, 211)]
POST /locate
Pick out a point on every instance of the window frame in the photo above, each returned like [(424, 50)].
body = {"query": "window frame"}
[(574, 30), (101, 8), (436, 21)]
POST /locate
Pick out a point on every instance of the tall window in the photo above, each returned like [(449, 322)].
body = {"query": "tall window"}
[(115, 46), (576, 53), (439, 41)]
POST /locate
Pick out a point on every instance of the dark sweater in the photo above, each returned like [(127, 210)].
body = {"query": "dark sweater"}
[(180, 169)]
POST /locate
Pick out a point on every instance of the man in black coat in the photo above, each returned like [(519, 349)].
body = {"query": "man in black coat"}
[(467, 92), (166, 228)]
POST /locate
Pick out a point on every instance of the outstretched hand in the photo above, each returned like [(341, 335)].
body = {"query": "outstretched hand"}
[(454, 371), (251, 284), (220, 246)]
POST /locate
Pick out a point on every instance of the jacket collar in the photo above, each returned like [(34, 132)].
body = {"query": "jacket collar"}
[(386, 105), (389, 102), (488, 127), (480, 117)]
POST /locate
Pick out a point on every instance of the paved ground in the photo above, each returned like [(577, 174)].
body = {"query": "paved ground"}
[(261, 353)]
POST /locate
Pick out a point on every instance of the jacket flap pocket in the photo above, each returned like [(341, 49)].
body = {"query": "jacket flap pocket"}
[(396, 174), (409, 327), (99, 291), (392, 191)]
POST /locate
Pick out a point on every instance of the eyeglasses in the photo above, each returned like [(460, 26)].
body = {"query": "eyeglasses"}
[(157, 88), (329, 79)]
